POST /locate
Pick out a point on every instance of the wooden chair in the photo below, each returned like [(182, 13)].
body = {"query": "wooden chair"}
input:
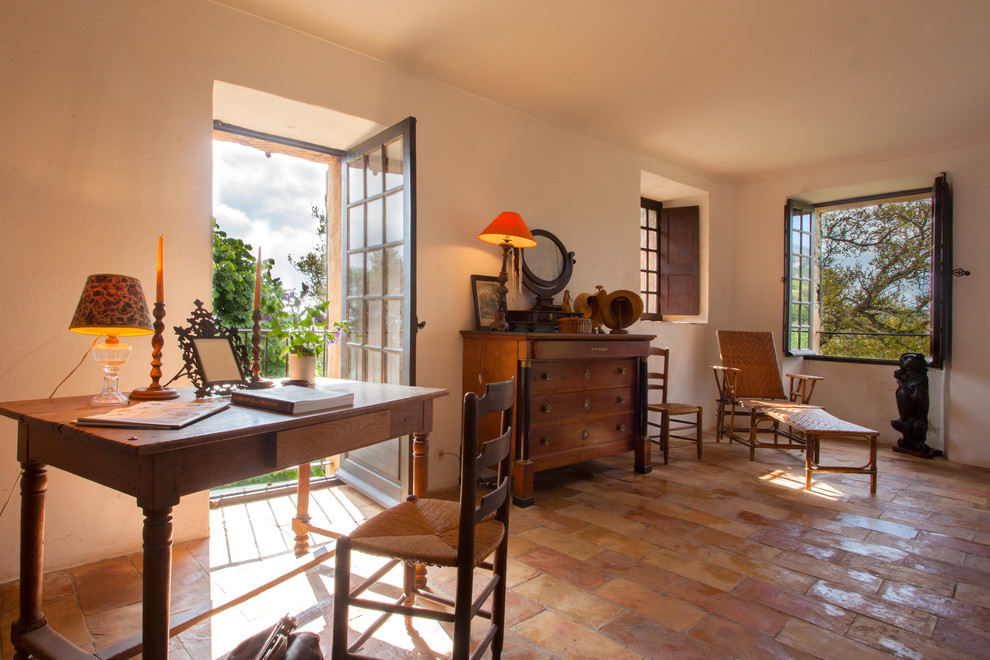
[(441, 533), (690, 414), (750, 372)]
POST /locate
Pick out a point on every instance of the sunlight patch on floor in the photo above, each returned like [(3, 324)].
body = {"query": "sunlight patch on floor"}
[(795, 482)]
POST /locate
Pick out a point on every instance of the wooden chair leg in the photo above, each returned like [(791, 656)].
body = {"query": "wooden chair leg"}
[(665, 435), (341, 587), (697, 430)]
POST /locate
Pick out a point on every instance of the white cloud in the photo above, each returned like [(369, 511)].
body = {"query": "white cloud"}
[(267, 202)]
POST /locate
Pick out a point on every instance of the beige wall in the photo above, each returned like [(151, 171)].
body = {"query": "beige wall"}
[(106, 124)]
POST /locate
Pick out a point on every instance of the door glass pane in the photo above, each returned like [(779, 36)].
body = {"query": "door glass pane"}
[(355, 314), (374, 373), (393, 324), (374, 222), (354, 370), (355, 278), (355, 227), (393, 367), (373, 267), (375, 175), (355, 179), (393, 271), (393, 164), (393, 216), (373, 326)]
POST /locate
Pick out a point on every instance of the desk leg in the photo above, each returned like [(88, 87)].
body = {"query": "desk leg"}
[(420, 483), (157, 583), (302, 511), (33, 486)]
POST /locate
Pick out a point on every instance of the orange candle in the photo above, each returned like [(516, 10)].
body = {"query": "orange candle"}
[(257, 283), (160, 297)]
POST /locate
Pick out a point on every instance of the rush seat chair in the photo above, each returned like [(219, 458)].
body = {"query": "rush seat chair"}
[(662, 413), (436, 532)]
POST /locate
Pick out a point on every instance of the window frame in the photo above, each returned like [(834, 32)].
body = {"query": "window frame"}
[(652, 303), (941, 273)]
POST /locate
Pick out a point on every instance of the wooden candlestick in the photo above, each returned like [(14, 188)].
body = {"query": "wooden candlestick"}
[(155, 392), (256, 382)]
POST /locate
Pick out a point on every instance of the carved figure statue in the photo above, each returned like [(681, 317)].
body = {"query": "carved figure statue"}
[(912, 405), (565, 305)]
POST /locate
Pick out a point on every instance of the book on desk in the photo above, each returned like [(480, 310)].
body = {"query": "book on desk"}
[(155, 414), (294, 400)]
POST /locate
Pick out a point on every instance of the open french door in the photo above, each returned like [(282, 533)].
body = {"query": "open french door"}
[(379, 289)]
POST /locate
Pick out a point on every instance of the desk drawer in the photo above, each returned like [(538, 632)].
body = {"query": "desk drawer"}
[(569, 376), (557, 407), (553, 438)]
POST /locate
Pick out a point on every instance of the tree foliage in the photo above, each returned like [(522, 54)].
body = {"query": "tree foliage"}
[(234, 271), (875, 280)]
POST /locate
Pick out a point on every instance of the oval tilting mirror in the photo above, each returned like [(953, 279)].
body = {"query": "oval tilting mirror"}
[(546, 268)]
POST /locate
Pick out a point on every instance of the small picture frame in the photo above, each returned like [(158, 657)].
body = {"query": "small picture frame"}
[(485, 291), (217, 361)]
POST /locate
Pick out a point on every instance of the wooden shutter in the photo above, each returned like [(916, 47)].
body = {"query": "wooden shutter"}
[(680, 261), (941, 271)]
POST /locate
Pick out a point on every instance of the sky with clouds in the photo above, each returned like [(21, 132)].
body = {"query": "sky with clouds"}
[(267, 203)]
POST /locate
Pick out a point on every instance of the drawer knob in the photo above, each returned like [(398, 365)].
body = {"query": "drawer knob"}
[(585, 435), (587, 404), (622, 398), (546, 407), (621, 427), (622, 371), (545, 441), (587, 374), (547, 375)]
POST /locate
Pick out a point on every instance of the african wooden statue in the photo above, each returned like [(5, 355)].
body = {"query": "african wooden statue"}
[(912, 406)]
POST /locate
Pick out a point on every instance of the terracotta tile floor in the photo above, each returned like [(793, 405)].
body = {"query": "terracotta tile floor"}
[(714, 559)]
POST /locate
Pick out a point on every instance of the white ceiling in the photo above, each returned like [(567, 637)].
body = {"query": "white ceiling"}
[(740, 90)]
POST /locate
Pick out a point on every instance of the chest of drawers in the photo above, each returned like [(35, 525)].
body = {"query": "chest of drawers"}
[(578, 397)]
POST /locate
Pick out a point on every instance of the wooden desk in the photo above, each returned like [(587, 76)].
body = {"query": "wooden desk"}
[(159, 467)]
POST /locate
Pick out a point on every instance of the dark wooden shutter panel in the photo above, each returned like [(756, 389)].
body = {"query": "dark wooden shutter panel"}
[(680, 261), (941, 271)]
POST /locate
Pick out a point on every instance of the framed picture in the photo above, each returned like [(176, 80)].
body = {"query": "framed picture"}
[(485, 290), (216, 359)]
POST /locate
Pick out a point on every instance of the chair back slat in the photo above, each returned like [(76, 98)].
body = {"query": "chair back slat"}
[(755, 355), (492, 501), (495, 450)]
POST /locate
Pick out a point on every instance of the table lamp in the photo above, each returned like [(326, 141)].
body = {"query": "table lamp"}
[(111, 305), (509, 231)]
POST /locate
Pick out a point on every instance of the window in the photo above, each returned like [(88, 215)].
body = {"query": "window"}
[(865, 276), (649, 257), (669, 260)]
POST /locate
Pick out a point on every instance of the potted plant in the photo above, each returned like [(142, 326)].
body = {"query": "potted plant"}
[(305, 330)]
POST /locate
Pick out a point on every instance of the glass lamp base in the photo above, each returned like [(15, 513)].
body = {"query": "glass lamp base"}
[(110, 354), (111, 398)]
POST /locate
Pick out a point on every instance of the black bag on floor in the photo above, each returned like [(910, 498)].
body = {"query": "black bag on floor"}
[(279, 643)]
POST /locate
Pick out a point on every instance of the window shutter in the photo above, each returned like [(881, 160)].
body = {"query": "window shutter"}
[(941, 271), (680, 261)]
